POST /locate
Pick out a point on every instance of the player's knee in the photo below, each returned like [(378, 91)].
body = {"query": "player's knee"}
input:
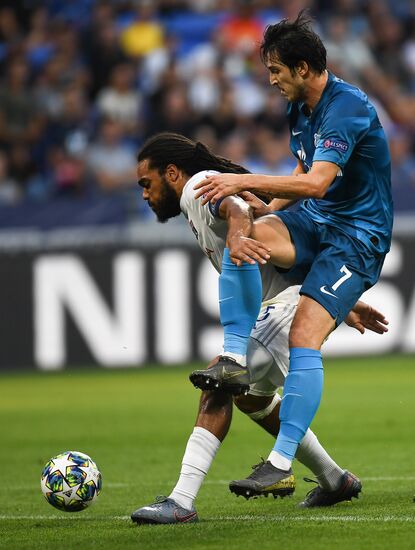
[(257, 407), (271, 231), (260, 231), (297, 336), (302, 336), (251, 403), (257, 229)]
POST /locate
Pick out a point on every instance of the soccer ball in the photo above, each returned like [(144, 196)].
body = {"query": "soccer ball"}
[(71, 481)]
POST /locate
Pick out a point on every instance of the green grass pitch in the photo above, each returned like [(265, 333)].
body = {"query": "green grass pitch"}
[(135, 423)]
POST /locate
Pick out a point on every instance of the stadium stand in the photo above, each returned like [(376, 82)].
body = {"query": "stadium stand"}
[(83, 83)]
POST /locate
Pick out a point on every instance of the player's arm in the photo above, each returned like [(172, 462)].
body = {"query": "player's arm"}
[(238, 216), (260, 208), (363, 316), (282, 204), (345, 123), (313, 184)]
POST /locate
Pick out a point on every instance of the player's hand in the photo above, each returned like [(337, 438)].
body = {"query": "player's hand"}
[(243, 249), (363, 316), (219, 186), (259, 207)]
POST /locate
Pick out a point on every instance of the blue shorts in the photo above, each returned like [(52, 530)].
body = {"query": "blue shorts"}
[(336, 268)]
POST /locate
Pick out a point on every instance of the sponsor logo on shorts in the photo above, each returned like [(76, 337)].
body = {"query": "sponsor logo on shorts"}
[(325, 291)]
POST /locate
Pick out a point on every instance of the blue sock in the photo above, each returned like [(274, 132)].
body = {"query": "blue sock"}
[(302, 394), (240, 296)]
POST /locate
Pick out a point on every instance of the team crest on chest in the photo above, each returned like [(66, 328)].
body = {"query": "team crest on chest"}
[(302, 155)]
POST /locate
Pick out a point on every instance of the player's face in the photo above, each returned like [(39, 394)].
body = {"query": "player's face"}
[(157, 191), (289, 82)]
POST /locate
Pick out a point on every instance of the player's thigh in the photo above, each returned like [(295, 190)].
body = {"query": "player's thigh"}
[(339, 275), (268, 353), (272, 232)]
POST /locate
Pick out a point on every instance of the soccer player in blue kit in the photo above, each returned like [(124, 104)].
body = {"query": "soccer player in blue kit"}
[(339, 236)]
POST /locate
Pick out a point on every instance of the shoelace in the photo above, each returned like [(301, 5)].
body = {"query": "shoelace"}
[(256, 467), (160, 499), (308, 480)]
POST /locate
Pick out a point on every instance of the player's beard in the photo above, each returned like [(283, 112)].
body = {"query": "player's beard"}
[(168, 206), (300, 94)]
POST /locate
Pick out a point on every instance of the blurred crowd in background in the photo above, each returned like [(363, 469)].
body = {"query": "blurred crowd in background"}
[(84, 83)]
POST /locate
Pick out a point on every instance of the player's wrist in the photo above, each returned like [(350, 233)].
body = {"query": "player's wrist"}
[(248, 182)]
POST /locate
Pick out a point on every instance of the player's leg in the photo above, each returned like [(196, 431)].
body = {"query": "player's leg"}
[(240, 288), (342, 270), (272, 231), (334, 484), (211, 426), (304, 384), (240, 296), (262, 404)]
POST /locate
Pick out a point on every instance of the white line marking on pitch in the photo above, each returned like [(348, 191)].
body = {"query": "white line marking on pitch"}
[(121, 485), (276, 519)]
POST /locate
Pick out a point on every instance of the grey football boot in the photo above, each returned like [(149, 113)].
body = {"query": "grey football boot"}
[(265, 479), (227, 375), (164, 510), (350, 487)]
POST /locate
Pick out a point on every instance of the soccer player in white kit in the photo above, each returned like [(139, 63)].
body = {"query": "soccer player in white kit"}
[(169, 167)]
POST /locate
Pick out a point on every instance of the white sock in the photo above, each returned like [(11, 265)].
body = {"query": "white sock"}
[(241, 359), (201, 449), (279, 461), (311, 453)]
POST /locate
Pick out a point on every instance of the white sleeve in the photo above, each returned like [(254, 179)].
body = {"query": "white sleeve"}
[(194, 209)]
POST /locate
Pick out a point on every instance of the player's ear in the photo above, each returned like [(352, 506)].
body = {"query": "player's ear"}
[(302, 68), (172, 173)]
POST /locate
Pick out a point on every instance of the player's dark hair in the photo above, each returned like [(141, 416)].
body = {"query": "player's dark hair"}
[(190, 156), (294, 41)]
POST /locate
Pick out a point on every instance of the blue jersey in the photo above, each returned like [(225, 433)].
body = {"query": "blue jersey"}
[(344, 129)]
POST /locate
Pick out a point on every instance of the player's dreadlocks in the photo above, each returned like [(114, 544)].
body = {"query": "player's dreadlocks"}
[(294, 41), (190, 156)]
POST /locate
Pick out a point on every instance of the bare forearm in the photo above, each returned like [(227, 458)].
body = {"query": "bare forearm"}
[(239, 222), (242, 248), (280, 204), (314, 184), (289, 188)]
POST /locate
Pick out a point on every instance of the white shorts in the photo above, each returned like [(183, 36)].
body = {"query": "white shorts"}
[(268, 353)]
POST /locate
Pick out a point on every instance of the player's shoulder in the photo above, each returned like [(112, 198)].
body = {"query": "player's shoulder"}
[(348, 97), (188, 202), (189, 188)]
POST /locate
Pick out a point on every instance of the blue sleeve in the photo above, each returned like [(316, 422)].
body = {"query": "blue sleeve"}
[(214, 208), (345, 122)]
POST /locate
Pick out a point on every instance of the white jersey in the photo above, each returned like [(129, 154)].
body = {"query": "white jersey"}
[(210, 232)]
